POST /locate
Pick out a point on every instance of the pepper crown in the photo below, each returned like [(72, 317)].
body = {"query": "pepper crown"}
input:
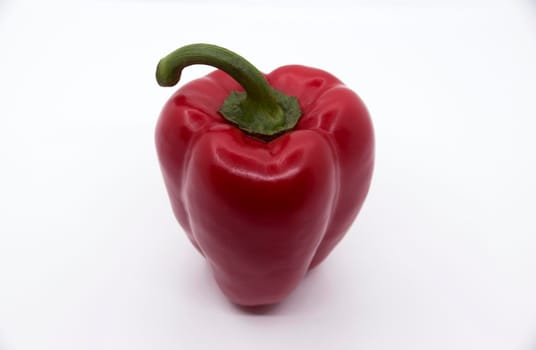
[(260, 110)]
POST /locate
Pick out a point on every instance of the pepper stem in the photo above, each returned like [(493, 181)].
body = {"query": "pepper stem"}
[(261, 110)]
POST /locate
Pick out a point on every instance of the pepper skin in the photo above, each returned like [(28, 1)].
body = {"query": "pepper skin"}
[(261, 212)]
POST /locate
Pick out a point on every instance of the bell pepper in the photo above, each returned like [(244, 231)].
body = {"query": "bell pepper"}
[(265, 173)]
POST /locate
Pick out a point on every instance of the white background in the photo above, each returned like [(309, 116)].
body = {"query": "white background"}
[(442, 256)]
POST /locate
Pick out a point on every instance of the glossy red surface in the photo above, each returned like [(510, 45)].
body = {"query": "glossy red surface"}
[(264, 213)]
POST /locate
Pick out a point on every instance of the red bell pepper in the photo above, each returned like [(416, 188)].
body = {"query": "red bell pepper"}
[(265, 173)]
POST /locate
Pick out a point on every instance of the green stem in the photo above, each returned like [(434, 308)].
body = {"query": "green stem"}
[(261, 110)]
